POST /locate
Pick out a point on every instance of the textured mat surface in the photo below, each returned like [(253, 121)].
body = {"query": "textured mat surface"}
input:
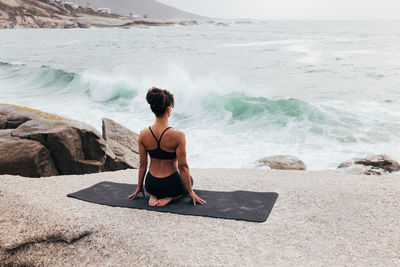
[(237, 205)]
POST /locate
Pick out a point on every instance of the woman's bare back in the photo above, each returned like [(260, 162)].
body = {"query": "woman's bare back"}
[(169, 142)]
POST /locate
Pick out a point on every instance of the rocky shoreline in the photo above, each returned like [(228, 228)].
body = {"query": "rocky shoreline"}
[(34, 143), (39, 14)]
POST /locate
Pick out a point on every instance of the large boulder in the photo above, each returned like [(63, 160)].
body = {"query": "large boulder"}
[(3, 121), (122, 147), (12, 116), (282, 162), (75, 147), (24, 157), (373, 165)]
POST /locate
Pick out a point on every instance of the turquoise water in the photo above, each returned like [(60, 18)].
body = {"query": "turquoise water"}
[(322, 91)]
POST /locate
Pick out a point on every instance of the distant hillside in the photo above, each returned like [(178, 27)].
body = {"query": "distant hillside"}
[(151, 8), (40, 14)]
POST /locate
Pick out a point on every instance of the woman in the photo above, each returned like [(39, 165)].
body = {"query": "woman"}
[(167, 150)]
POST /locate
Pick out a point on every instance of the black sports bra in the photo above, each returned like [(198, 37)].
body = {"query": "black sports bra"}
[(158, 153)]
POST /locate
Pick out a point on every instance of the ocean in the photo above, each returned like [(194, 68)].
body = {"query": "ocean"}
[(323, 91)]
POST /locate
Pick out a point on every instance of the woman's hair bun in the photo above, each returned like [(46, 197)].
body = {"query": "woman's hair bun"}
[(159, 100), (155, 96)]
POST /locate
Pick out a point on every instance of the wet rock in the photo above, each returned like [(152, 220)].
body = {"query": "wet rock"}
[(373, 165), (122, 147), (282, 162)]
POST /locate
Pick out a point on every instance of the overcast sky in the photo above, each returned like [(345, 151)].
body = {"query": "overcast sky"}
[(292, 9)]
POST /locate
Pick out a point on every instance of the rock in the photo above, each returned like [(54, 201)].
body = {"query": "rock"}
[(374, 165), (17, 115), (60, 146), (24, 157), (188, 22), (122, 147), (358, 169), (114, 162), (282, 162), (119, 133), (3, 121), (76, 148), (68, 146), (221, 24), (380, 161)]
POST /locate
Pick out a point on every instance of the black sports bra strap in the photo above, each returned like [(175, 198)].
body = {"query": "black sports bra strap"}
[(159, 141)]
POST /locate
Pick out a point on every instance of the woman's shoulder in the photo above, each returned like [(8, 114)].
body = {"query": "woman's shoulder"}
[(171, 130), (177, 132), (143, 131)]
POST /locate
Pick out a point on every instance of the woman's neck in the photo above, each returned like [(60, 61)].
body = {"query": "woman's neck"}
[(161, 121)]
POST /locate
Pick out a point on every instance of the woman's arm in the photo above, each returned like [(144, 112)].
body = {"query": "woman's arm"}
[(142, 160), (142, 167), (184, 169), (182, 163)]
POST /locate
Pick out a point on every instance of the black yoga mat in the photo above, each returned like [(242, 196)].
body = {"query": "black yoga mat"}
[(236, 205)]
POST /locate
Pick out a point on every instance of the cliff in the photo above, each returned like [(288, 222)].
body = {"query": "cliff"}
[(40, 14)]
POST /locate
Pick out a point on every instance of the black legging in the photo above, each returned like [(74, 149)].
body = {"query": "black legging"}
[(170, 186)]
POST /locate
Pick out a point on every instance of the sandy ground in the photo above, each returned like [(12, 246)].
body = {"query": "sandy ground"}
[(320, 218)]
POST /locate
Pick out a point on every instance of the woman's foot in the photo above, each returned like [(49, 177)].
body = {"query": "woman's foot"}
[(164, 201), (153, 200)]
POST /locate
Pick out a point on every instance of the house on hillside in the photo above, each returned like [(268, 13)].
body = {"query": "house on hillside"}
[(54, 1), (71, 4), (135, 16), (104, 10)]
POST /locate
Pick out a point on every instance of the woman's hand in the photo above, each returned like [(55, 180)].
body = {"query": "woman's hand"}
[(196, 198), (137, 191)]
